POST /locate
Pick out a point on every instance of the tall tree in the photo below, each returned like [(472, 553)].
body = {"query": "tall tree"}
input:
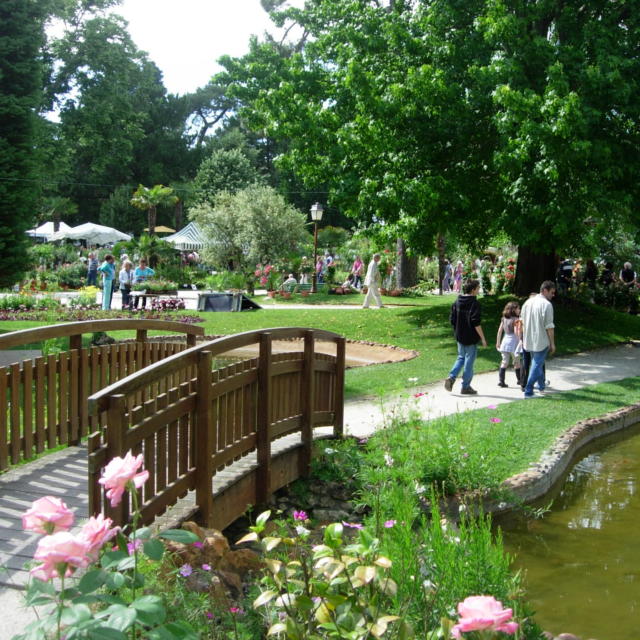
[(21, 39)]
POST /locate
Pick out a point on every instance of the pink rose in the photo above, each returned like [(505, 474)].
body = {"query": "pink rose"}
[(47, 515), (60, 554), (118, 475), (95, 533), (483, 612)]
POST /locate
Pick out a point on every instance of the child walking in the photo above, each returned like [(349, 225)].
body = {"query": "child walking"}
[(507, 341)]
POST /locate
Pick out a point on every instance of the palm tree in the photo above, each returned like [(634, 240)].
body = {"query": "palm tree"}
[(149, 198)]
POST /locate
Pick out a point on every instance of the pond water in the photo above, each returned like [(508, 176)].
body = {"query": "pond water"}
[(582, 559)]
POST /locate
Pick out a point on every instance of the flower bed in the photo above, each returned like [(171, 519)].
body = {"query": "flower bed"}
[(76, 315)]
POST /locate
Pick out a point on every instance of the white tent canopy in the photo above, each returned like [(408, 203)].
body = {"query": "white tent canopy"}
[(188, 239), (92, 233), (45, 230)]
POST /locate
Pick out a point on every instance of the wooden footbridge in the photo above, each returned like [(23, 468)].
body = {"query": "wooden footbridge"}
[(218, 431)]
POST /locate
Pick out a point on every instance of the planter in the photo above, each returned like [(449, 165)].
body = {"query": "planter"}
[(272, 294), (384, 292), (395, 292), (286, 295), (305, 294)]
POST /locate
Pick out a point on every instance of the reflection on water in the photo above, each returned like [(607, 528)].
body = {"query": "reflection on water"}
[(582, 560)]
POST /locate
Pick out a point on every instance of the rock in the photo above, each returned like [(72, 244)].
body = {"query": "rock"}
[(198, 582), (232, 582), (194, 528), (240, 562), (215, 544), (548, 635), (330, 515), (567, 636)]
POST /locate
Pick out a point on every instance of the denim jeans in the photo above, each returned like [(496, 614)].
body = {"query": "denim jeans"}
[(466, 358), (536, 373)]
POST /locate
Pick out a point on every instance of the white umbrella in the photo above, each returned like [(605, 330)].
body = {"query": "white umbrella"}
[(92, 233), (45, 230), (187, 239)]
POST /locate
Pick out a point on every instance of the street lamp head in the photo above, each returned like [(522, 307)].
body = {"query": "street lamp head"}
[(316, 212)]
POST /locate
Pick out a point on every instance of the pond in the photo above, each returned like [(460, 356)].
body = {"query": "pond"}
[(582, 559)]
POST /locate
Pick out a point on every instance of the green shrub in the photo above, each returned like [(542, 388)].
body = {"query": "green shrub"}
[(28, 303), (72, 276)]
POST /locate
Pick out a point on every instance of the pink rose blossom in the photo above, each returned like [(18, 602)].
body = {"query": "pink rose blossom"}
[(119, 473), (495, 420), (300, 515), (478, 613), (95, 533), (60, 553), (48, 515)]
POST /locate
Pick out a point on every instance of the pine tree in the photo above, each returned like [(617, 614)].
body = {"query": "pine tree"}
[(21, 40)]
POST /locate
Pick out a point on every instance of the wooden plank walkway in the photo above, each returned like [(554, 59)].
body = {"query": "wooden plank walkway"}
[(63, 474)]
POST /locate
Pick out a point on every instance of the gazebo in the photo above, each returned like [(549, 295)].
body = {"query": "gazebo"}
[(45, 230)]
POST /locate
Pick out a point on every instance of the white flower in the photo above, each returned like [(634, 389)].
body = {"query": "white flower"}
[(302, 531), (388, 460), (329, 451), (420, 488), (412, 379)]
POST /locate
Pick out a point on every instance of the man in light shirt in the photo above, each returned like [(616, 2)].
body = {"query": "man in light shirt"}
[(372, 281), (538, 334)]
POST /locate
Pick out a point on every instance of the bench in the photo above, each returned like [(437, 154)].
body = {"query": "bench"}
[(299, 287)]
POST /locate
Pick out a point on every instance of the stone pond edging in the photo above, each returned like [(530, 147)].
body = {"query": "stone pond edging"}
[(541, 476)]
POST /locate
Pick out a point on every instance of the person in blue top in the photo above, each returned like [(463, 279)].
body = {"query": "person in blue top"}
[(142, 274), (108, 270)]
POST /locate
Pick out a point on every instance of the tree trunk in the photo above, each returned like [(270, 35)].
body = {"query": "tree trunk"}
[(440, 245), (532, 270), (152, 220), (407, 271), (179, 212)]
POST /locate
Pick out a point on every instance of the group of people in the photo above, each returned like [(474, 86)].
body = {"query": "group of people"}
[(127, 277), (525, 337), (452, 278)]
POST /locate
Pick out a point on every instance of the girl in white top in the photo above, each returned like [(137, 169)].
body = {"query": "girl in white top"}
[(126, 278), (507, 342)]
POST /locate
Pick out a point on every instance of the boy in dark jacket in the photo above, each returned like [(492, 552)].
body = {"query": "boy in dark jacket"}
[(465, 320)]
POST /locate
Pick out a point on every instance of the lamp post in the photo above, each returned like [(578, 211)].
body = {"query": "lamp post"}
[(316, 216)]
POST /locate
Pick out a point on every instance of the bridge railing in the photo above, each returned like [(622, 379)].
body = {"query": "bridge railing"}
[(43, 401), (192, 416)]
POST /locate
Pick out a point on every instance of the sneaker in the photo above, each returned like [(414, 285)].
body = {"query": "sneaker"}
[(448, 383), (528, 395), (468, 391)]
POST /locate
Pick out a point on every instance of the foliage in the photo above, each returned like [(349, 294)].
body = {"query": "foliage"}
[(155, 285), (72, 276), (225, 281), (86, 300), (330, 590), (224, 170), (331, 237), (170, 304), (254, 225), (153, 249), (118, 212), (267, 276), (20, 97), (28, 303)]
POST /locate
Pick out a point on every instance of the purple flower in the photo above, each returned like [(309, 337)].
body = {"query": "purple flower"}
[(133, 546), (209, 615), (236, 611), (495, 420), (355, 525), (198, 544), (389, 523), (206, 567), (186, 570), (300, 515), (492, 406)]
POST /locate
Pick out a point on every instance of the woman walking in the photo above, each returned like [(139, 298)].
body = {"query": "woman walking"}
[(507, 342)]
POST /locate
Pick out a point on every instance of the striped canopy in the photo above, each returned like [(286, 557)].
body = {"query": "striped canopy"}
[(187, 239)]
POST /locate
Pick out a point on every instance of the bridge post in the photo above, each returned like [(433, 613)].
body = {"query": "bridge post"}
[(263, 476), (338, 396), (308, 403), (204, 440), (115, 443)]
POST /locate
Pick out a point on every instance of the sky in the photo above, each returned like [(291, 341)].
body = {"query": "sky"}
[(186, 37)]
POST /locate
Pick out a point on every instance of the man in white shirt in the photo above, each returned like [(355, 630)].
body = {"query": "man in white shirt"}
[(538, 334), (372, 281)]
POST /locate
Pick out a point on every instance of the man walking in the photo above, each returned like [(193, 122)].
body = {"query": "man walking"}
[(538, 334), (372, 281), (465, 320)]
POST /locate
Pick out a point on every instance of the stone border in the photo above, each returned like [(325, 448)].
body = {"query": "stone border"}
[(541, 476)]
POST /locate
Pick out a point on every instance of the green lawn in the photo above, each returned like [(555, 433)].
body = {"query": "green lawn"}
[(424, 326)]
